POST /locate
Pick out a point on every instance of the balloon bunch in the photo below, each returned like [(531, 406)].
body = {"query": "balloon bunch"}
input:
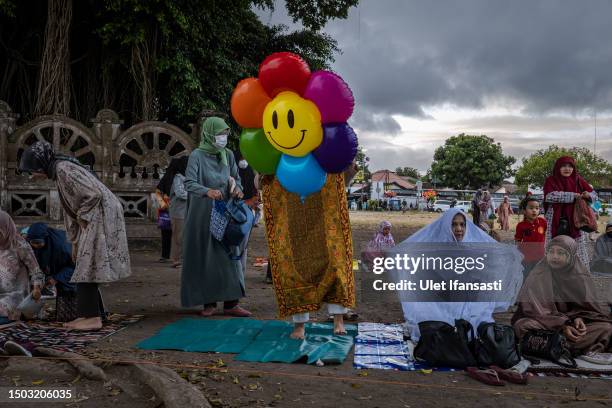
[(294, 123)]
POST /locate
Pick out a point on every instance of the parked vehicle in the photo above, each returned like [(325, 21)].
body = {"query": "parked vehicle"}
[(465, 206), (442, 205)]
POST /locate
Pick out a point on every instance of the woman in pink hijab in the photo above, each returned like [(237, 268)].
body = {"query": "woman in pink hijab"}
[(19, 271)]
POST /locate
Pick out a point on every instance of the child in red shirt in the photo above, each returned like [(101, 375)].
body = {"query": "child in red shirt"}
[(530, 234)]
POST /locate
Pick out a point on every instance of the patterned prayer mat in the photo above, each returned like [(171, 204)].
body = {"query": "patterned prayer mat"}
[(382, 346), (52, 335)]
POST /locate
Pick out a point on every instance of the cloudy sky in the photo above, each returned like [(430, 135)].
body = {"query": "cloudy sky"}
[(527, 73)]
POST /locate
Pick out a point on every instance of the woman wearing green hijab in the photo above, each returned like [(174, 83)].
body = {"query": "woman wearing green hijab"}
[(209, 275)]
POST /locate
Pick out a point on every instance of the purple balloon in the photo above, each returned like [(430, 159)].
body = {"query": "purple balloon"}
[(338, 149), (332, 96)]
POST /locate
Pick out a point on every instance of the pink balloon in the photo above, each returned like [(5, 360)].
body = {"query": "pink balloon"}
[(332, 96)]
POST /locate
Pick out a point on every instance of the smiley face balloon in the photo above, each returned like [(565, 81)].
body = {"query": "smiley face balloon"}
[(304, 121), (292, 124)]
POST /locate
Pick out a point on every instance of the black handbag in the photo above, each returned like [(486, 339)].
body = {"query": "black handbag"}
[(564, 227), (496, 345), (548, 344), (443, 345)]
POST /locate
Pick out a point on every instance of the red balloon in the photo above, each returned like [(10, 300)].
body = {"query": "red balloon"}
[(284, 71)]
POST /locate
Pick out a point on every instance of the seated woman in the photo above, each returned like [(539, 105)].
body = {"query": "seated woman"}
[(559, 295), (54, 255), (602, 259), (19, 271), (453, 226)]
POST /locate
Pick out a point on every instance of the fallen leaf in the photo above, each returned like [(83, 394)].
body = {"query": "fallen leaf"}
[(252, 387), (236, 380), (114, 392), (426, 371), (355, 385), (254, 376), (362, 373), (37, 382)]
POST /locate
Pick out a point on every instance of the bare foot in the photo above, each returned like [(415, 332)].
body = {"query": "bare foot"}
[(298, 331), (339, 324), (91, 323)]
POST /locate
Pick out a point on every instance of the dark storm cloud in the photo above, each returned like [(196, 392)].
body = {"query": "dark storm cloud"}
[(401, 55)]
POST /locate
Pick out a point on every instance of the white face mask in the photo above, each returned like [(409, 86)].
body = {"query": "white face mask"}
[(221, 141), (243, 164)]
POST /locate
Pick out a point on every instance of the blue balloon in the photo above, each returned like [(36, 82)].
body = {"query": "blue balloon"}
[(300, 175)]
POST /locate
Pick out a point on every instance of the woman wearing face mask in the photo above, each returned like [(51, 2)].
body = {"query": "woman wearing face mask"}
[(561, 190), (209, 275), (602, 259), (93, 217)]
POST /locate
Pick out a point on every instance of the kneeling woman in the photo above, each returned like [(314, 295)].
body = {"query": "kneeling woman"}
[(454, 227), (94, 222), (559, 295), (54, 255), (19, 270)]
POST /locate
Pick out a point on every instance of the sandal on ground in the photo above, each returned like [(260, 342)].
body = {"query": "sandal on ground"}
[(510, 376), (597, 358), (237, 311), (16, 349), (488, 377)]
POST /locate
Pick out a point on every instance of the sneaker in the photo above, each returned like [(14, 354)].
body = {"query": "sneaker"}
[(597, 358), (237, 311)]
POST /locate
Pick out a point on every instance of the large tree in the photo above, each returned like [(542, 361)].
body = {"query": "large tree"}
[(146, 59), (467, 161), (408, 172), (535, 168)]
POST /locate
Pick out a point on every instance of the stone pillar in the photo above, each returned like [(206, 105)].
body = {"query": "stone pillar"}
[(106, 126), (7, 127)]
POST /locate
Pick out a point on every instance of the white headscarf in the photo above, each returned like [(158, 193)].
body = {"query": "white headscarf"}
[(474, 312)]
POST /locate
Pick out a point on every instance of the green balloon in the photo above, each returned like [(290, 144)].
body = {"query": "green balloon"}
[(258, 152)]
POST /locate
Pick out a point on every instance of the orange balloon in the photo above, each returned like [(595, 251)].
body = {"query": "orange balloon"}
[(248, 103)]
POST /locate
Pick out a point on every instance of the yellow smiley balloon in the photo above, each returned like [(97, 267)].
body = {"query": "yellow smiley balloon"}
[(293, 124)]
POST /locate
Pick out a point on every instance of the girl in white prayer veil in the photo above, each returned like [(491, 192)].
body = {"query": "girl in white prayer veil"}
[(454, 226)]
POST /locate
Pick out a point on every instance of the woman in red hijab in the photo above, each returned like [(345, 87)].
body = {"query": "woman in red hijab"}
[(561, 190)]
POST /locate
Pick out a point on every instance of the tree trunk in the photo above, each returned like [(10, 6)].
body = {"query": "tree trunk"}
[(53, 96)]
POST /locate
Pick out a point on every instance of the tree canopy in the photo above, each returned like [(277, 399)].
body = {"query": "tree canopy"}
[(408, 172), (467, 161), (539, 165), (146, 59)]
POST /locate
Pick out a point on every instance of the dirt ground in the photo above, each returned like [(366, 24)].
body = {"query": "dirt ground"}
[(153, 290)]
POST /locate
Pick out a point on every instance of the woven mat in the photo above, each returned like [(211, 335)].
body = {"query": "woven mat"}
[(52, 335), (382, 346)]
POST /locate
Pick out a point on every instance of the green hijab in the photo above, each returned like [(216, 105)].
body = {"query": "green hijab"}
[(210, 128)]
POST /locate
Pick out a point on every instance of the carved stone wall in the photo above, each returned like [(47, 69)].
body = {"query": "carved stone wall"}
[(129, 161)]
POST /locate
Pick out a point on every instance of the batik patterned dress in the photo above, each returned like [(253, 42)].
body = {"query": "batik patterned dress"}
[(310, 246), (18, 270), (102, 247)]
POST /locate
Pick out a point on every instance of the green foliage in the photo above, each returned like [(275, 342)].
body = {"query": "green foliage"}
[(314, 13), (363, 165), (535, 168), (467, 161), (8, 7), (408, 172), (187, 55)]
